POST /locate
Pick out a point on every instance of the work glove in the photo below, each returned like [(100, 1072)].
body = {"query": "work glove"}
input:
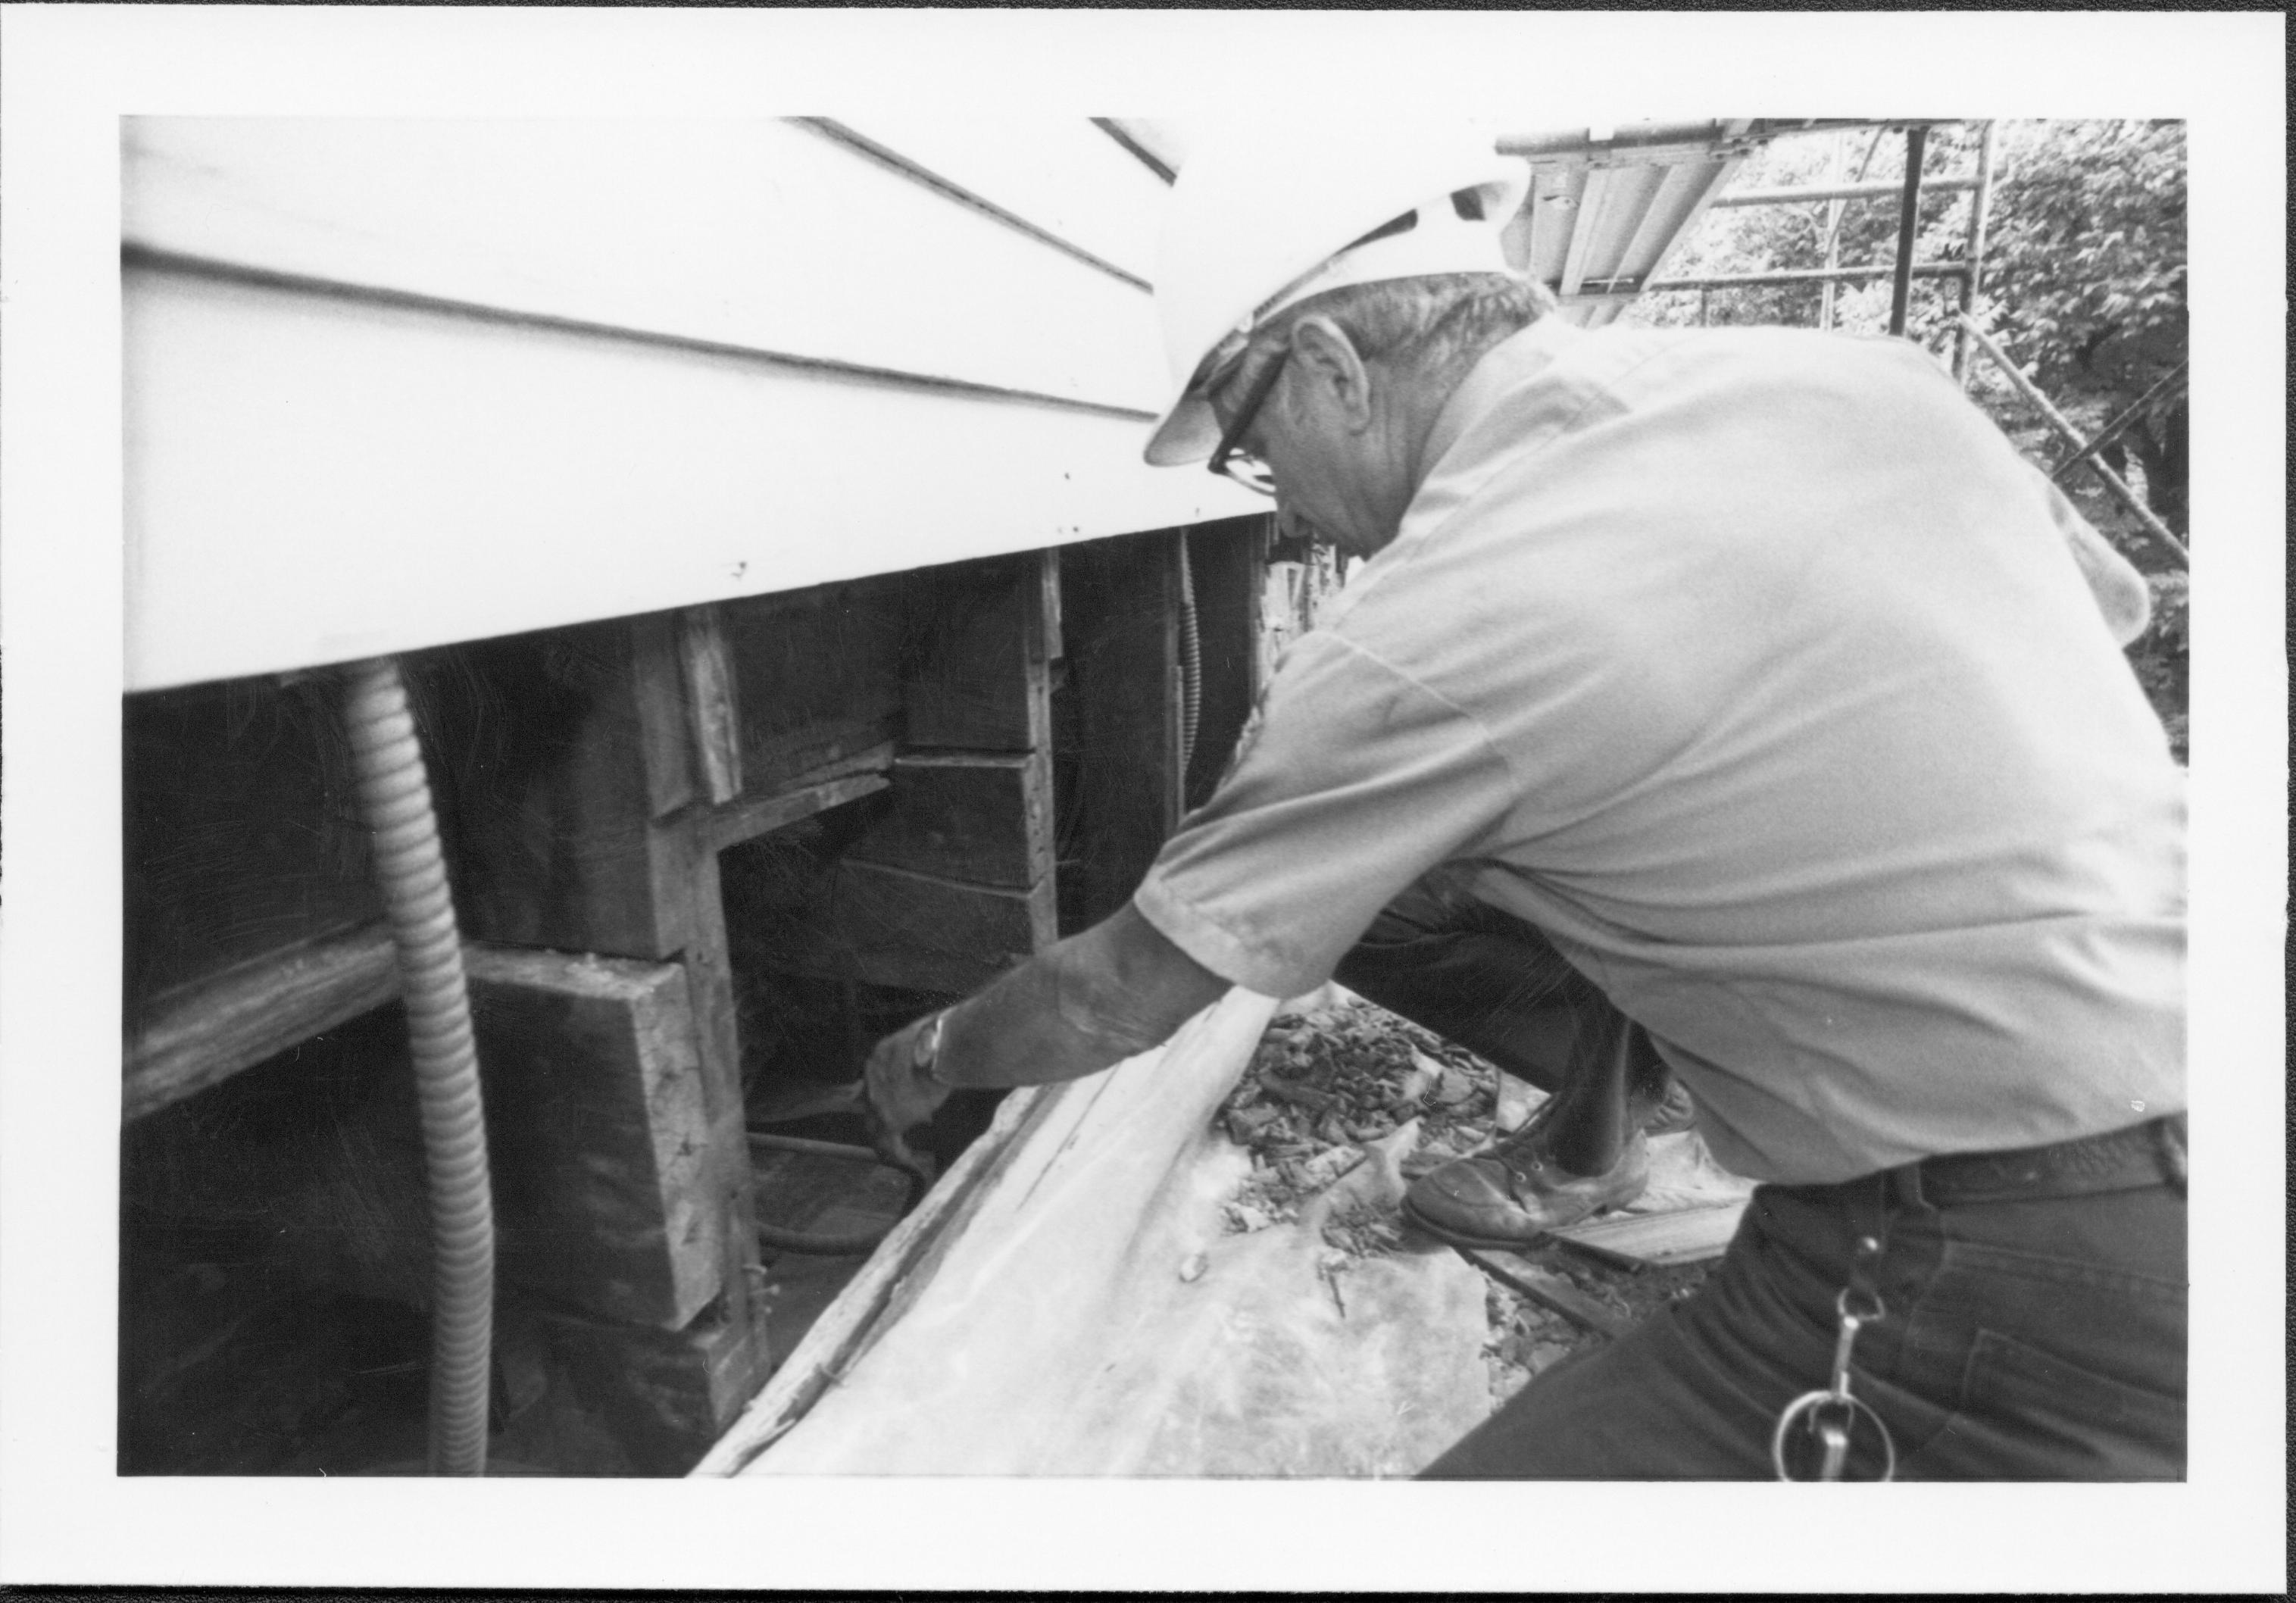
[(898, 1081)]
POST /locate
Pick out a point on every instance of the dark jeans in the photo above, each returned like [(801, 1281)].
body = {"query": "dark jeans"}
[(2021, 1340), (1496, 985)]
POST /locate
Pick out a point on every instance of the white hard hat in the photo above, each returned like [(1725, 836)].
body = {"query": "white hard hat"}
[(1262, 217)]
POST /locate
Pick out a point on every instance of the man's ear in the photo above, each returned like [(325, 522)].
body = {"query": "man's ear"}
[(1329, 373)]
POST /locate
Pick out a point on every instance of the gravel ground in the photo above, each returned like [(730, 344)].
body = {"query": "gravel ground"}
[(1328, 1080)]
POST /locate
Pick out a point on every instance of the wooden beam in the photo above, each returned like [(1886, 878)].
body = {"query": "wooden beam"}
[(1121, 622), (553, 788), (762, 815), (980, 816), (712, 716), (976, 675), (916, 931), (201, 1034), (599, 1131), (665, 1395), (817, 677)]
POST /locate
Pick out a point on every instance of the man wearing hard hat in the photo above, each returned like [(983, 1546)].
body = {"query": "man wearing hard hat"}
[(1724, 706)]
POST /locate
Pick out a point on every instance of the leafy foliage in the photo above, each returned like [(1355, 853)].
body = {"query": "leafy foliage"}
[(2083, 273)]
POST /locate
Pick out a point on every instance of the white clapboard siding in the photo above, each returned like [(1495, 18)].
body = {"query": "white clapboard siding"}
[(393, 384), (1069, 187), (767, 234), (313, 478)]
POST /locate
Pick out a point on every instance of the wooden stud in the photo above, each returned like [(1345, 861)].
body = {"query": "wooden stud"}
[(666, 744), (709, 976), (1120, 621), (712, 715)]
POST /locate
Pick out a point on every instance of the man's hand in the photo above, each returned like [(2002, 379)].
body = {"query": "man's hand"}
[(901, 1094)]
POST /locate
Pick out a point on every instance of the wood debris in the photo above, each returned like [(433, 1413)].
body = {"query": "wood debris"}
[(1324, 1085)]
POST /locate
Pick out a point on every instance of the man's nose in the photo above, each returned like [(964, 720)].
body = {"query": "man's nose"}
[(1291, 523)]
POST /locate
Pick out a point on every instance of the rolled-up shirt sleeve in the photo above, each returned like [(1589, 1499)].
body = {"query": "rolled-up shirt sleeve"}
[(1353, 781)]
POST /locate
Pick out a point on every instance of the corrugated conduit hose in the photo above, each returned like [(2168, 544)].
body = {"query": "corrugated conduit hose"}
[(1192, 665), (394, 795)]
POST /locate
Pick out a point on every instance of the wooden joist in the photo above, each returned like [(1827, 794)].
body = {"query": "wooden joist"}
[(203, 1033)]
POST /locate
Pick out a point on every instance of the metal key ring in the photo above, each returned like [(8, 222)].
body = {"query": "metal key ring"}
[(1809, 1403)]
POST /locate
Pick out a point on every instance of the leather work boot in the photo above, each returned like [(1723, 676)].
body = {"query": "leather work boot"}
[(1515, 1194), (1674, 1113)]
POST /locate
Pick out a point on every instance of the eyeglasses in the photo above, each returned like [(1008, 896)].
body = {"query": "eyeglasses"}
[(1228, 457)]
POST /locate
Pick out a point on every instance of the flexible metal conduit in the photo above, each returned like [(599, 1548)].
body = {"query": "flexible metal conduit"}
[(1192, 665), (395, 800)]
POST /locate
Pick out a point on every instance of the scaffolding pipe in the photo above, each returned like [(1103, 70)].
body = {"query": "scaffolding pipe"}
[(2153, 525), (2120, 425), (1901, 287), (1841, 191), (1729, 280), (1981, 210)]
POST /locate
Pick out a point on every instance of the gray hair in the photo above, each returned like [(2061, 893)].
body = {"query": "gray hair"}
[(1434, 327)]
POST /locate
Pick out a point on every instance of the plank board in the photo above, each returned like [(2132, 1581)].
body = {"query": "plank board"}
[(974, 674), (1091, 192), (984, 818), (817, 676), (1119, 620), (547, 806), (600, 1131), (1686, 1236), (916, 931), (666, 1394), (242, 834), (196, 1036)]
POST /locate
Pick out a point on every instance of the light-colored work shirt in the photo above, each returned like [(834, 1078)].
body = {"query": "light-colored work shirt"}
[(1752, 667)]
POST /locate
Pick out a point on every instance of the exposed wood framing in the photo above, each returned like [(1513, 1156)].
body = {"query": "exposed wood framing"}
[(984, 817), (919, 931), (201, 1034), (1122, 606), (714, 720), (762, 815), (603, 1195)]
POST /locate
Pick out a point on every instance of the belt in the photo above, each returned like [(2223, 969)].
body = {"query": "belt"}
[(2150, 1153)]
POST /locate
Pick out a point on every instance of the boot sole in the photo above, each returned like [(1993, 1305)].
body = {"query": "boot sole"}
[(1459, 1237)]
